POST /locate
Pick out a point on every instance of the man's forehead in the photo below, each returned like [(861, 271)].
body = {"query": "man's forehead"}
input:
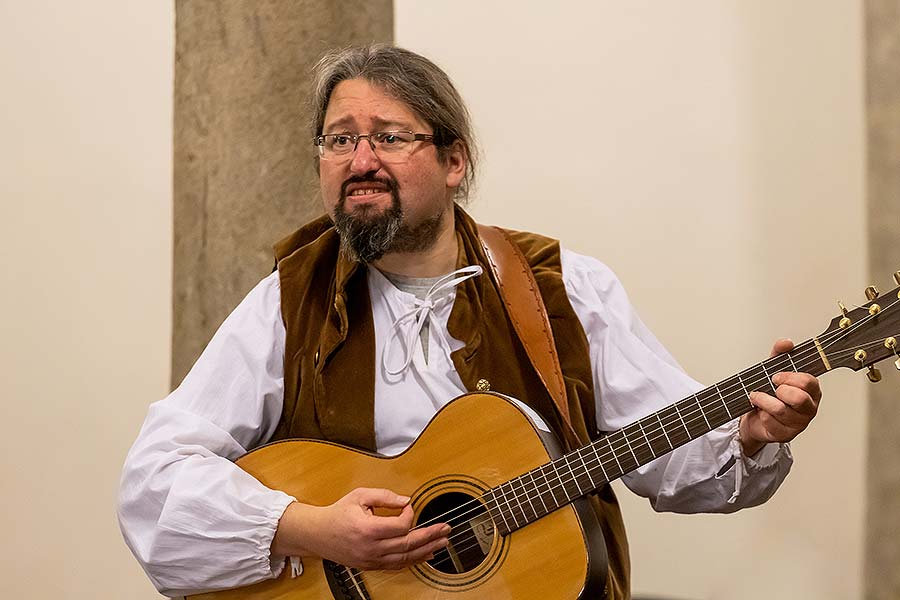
[(353, 100)]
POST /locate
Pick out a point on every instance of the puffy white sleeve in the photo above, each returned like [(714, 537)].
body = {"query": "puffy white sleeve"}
[(194, 520), (635, 376)]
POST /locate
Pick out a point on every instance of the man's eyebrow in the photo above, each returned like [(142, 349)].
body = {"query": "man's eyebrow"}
[(387, 124), (379, 124), (343, 121)]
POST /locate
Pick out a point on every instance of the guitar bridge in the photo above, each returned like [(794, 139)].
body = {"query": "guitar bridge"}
[(346, 583)]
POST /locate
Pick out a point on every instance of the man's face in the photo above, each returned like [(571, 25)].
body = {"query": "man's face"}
[(382, 207)]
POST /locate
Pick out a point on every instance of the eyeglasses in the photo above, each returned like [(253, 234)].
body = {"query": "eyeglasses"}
[(389, 146)]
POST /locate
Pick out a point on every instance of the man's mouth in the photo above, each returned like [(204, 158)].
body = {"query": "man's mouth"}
[(367, 191)]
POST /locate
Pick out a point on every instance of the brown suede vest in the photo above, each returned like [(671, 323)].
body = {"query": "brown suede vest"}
[(329, 375)]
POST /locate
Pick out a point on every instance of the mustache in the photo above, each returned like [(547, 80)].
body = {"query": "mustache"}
[(389, 184)]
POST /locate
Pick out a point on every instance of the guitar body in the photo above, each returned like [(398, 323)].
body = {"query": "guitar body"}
[(475, 443)]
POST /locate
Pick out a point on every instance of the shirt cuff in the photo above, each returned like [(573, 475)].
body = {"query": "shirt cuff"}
[(276, 562), (765, 461)]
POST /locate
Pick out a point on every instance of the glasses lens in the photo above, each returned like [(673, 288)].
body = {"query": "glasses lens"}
[(393, 142), (337, 144)]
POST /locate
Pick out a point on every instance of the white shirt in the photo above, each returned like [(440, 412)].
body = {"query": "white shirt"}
[(197, 522)]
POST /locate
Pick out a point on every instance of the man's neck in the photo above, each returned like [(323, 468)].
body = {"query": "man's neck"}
[(438, 259)]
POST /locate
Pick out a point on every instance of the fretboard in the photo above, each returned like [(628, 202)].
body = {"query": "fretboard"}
[(538, 492)]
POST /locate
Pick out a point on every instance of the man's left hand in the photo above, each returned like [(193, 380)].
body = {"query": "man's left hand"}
[(781, 417)]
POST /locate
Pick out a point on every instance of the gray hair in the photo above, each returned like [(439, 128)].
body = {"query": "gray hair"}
[(411, 79)]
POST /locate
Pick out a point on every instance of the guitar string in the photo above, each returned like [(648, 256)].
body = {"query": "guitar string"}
[(582, 473), (688, 417), (579, 472), (811, 352), (612, 450), (692, 419), (377, 581), (802, 356)]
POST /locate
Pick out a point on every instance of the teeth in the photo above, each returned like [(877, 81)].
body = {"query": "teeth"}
[(363, 192)]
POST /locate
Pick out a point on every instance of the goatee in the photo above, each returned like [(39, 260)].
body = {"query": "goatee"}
[(367, 235)]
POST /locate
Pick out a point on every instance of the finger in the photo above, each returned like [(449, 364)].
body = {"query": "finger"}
[(415, 539), (797, 399), (766, 428), (387, 527), (777, 409), (401, 560), (781, 346), (379, 497), (803, 381)]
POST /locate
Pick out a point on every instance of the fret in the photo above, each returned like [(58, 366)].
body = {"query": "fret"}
[(574, 477), (681, 419), (702, 412), (630, 448), (660, 443), (741, 381), (528, 496), (614, 463), (722, 398), (586, 469), (672, 418), (538, 492), (512, 512), (693, 424), (550, 485), (599, 462), (791, 360), (617, 452), (647, 438), (665, 433), (500, 510), (768, 378)]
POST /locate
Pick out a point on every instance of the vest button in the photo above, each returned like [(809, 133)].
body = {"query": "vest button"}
[(483, 385)]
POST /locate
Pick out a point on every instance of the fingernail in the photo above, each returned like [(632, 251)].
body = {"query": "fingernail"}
[(404, 499), (445, 530)]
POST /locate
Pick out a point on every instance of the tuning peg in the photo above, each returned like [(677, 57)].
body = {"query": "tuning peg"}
[(897, 277), (871, 292), (873, 374), (845, 321)]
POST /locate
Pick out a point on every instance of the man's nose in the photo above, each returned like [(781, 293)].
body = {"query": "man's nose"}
[(364, 158)]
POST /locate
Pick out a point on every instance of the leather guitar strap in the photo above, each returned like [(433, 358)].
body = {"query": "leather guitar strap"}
[(526, 310)]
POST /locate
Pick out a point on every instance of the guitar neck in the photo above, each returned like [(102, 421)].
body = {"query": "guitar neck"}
[(538, 492)]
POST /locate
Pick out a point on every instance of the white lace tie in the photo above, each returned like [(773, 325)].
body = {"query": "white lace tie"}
[(420, 314)]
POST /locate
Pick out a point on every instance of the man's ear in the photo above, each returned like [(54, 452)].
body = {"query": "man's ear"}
[(456, 163)]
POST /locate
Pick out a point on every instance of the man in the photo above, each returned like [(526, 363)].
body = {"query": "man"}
[(378, 315)]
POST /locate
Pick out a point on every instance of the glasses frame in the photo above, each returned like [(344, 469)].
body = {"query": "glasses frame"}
[(319, 142)]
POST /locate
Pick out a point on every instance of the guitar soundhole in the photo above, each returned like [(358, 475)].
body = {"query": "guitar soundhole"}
[(472, 534)]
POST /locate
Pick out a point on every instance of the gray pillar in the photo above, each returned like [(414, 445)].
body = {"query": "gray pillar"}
[(882, 565), (243, 166)]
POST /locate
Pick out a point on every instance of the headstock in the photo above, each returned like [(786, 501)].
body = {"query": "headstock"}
[(866, 335)]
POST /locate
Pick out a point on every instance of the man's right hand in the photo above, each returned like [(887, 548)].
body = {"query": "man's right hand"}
[(350, 533)]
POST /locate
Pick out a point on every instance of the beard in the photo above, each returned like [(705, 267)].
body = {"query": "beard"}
[(367, 234)]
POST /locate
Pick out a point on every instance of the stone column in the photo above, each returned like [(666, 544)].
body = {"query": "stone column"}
[(882, 564), (243, 171)]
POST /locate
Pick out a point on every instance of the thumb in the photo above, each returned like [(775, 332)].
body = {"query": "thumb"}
[(781, 346), (382, 498)]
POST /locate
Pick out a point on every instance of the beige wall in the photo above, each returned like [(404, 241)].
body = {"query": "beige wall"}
[(712, 153), (714, 124), (85, 190)]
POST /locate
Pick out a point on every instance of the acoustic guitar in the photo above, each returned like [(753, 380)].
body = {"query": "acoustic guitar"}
[(521, 527)]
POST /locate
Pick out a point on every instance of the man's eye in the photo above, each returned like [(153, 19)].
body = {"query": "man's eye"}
[(389, 138), (341, 140)]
